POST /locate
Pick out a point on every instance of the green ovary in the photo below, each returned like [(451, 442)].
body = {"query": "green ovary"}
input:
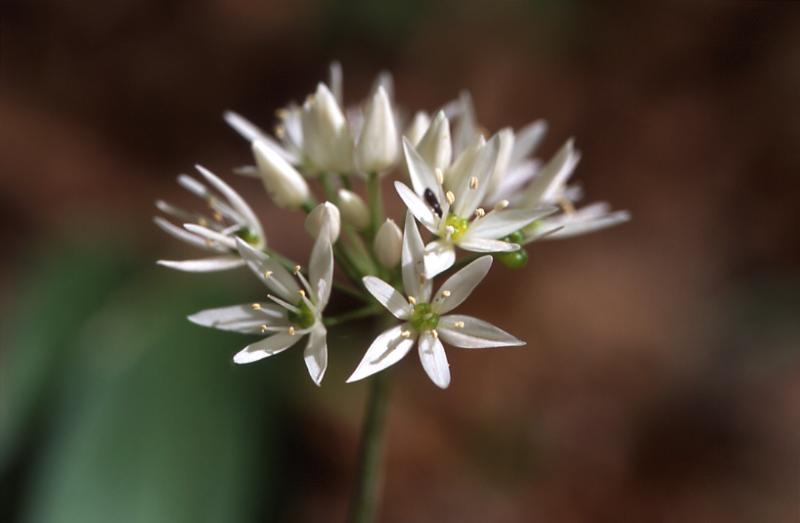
[(248, 236), (459, 225), (423, 318), (303, 318)]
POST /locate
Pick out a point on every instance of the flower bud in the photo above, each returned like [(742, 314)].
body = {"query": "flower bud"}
[(354, 210), (416, 130), (282, 181), (435, 147), (326, 136), (379, 145), (324, 215), (389, 244)]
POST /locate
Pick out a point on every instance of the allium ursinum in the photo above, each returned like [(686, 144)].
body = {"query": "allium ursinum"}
[(230, 218), (447, 202), (293, 310), (426, 321)]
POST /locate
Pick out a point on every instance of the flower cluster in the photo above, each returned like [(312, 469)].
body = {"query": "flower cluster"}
[(486, 195)]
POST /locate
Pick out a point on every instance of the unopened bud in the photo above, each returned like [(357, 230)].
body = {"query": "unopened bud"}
[(435, 146), (389, 244), (354, 210), (324, 215), (326, 136), (282, 181), (379, 145)]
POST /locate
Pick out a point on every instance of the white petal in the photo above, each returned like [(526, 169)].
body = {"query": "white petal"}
[(335, 79), (320, 270), (221, 263), (236, 201), (459, 286), (434, 360), (387, 349), (251, 132), (316, 353), (388, 297), (497, 224), (412, 260), (472, 333), (251, 171), (421, 174), (240, 318), (527, 140), (211, 235), (551, 178), (484, 245), (327, 215), (417, 206), (435, 147), (467, 128), (440, 255), (388, 244), (469, 196), (267, 347), (279, 280), (513, 181), (577, 227), (183, 235), (377, 147)]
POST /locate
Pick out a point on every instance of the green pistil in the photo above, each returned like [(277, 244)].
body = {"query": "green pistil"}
[(459, 225), (304, 318), (248, 236), (423, 318)]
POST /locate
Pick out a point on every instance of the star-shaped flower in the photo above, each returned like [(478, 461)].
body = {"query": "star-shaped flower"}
[(231, 218), (426, 321), (294, 309), (447, 204)]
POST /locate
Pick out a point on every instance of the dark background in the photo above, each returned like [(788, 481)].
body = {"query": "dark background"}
[(662, 374)]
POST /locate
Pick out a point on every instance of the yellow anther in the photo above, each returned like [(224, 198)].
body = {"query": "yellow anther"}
[(502, 204), (446, 293), (301, 292), (297, 269), (479, 212), (566, 205), (202, 222), (291, 330), (405, 334), (280, 131), (435, 333), (439, 176), (412, 300), (267, 274), (264, 328), (218, 216), (459, 325), (473, 182), (282, 113), (255, 306), (450, 197)]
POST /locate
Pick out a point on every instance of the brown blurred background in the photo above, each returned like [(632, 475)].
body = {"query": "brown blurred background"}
[(662, 374)]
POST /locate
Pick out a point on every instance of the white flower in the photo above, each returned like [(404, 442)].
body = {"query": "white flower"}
[(326, 135), (354, 210), (426, 320), (325, 214), (388, 244), (435, 145), (416, 129), (378, 144), (286, 186), (296, 310), (231, 218), (452, 211)]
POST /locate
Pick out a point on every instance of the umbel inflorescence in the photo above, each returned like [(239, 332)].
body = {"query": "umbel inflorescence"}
[(478, 197)]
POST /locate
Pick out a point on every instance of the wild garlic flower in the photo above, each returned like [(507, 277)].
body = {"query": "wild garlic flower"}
[(448, 205), (426, 321), (230, 218), (293, 309)]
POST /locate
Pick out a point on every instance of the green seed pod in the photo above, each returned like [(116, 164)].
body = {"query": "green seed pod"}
[(513, 260)]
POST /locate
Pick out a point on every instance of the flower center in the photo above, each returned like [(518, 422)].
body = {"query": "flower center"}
[(459, 225), (248, 236), (423, 318), (303, 318)]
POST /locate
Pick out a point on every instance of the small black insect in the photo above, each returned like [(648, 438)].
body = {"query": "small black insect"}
[(431, 200)]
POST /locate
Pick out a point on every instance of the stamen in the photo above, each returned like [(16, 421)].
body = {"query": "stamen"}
[(218, 216), (439, 176), (296, 269), (267, 274), (202, 222), (255, 306), (566, 204), (446, 293), (450, 197), (450, 230), (292, 331), (412, 300), (280, 131), (264, 328), (302, 293), (473, 182), (405, 334), (435, 333), (502, 204), (459, 325), (479, 212), (283, 303)]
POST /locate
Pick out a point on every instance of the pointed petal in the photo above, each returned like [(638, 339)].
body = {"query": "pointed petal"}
[(240, 318), (440, 255), (388, 297), (387, 349), (435, 146), (434, 360), (484, 245), (267, 347), (417, 206), (316, 353), (279, 280), (236, 201), (498, 224), (471, 333), (251, 132), (421, 174), (320, 270), (551, 178), (470, 194), (460, 285), (576, 227), (527, 140), (220, 263), (414, 281)]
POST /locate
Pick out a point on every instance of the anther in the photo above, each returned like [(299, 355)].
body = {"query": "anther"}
[(218, 216), (291, 330), (459, 325), (479, 212), (302, 293), (412, 300), (566, 205), (202, 222), (296, 269), (280, 131), (405, 334), (473, 182), (439, 176), (446, 293), (450, 197), (502, 204), (255, 306), (435, 333), (264, 328)]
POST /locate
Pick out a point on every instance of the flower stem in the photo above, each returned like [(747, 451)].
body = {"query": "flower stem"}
[(364, 503), (375, 203), (355, 314)]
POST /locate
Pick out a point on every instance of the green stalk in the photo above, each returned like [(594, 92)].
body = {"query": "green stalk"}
[(375, 203), (364, 503), (356, 314)]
